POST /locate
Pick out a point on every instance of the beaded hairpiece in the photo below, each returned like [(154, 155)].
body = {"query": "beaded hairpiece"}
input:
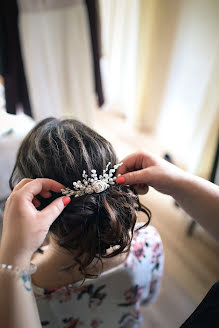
[(92, 184)]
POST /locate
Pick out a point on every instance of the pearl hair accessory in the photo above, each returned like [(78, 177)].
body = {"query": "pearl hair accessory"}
[(92, 184)]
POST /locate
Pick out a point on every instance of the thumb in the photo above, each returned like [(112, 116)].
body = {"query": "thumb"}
[(53, 210), (135, 177)]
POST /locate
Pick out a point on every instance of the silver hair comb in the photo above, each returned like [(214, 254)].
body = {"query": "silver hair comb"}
[(93, 184)]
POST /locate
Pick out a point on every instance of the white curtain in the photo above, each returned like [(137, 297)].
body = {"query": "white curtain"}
[(58, 58), (119, 26)]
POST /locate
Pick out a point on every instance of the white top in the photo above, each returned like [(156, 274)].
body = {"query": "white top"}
[(113, 299)]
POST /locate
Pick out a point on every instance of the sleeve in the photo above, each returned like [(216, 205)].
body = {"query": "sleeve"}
[(156, 266)]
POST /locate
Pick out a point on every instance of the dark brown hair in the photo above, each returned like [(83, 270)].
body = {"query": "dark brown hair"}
[(92, 223)]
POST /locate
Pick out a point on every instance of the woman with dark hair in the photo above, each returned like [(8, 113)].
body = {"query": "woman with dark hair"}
[(96, 236)]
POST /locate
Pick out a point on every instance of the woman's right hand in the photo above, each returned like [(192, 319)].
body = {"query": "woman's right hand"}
[(144, 169), (24, 227)]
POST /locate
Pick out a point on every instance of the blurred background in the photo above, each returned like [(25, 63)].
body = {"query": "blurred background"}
[(144, 74)]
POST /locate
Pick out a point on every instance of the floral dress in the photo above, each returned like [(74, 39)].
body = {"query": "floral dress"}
[(113, 299)]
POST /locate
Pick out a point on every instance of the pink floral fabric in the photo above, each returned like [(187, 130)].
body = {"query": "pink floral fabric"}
[(114, 299)]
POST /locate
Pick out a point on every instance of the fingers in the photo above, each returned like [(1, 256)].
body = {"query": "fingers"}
[(136, 170), (43, 193), (53, 210), (38, 186), (22, 183), (129, 164), (134, 178), (136, 161), (141, 189), (36, 202)]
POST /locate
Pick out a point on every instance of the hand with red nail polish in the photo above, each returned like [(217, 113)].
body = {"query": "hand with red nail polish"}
[(144, 169), (196, 196), (120, 180), (66, 200), (24, 227)]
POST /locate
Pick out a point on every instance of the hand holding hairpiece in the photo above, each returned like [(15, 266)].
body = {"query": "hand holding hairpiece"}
[(93, 184)]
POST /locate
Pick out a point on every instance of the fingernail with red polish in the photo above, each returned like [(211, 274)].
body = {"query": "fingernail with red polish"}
[(120, 180), (66, 200)]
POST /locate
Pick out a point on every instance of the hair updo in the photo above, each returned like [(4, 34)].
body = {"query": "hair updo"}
[(92, 223)]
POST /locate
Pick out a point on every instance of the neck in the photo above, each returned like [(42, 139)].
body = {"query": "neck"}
[(50, 273), (58, 257)]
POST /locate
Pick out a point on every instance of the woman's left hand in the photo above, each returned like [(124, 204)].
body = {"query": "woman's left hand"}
[(24, 227)]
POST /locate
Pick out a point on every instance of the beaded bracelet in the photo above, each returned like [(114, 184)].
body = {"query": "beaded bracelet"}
[(16, 270)]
